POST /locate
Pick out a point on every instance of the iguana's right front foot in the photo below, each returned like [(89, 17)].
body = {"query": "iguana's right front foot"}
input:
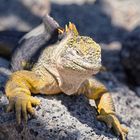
[(22, 103), (18, 92)]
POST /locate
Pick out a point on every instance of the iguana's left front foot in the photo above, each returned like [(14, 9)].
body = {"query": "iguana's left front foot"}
[(112, 122), (93, 89)]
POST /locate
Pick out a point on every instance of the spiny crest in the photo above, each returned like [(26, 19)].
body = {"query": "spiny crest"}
[(69, 28), (83, 43)]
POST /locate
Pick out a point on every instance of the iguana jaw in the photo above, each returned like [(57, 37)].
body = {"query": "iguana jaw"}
[(88, 66), (73, 62), (79, 67)]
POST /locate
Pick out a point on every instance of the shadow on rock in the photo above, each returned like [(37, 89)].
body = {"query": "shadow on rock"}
[(92, 19), (79, 107), (130, 57), (58, 117), (17, 11)]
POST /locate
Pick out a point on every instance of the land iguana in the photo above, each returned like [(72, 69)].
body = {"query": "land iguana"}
[(68, 67)]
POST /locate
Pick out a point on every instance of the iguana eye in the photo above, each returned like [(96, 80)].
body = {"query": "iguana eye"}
[(77, 52)]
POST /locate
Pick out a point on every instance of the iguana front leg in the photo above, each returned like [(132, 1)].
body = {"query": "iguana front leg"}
[(18, 90), (93, 89)]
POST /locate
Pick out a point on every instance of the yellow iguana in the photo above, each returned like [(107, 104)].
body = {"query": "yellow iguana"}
[(68, 67)]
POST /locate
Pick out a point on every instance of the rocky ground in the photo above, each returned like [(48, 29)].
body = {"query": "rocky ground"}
[(64, 117)]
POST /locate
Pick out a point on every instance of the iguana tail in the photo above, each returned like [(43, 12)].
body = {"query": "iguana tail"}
[(32, 43)]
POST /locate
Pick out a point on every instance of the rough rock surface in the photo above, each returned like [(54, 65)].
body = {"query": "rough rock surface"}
[(4, 71), (130, 56), (64, 117), (112, 61), (22, 14)]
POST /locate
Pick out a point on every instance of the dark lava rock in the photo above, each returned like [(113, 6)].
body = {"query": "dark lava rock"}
[(4, 71), (22, 15), (64, 117), (130, 56)]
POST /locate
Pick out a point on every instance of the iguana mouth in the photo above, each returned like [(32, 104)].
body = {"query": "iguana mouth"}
[(88, 66)]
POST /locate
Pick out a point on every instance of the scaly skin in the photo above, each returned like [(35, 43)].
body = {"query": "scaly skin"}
[(64, 67)]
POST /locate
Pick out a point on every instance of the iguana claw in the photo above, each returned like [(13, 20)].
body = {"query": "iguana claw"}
[(22, 104), (112, 122)]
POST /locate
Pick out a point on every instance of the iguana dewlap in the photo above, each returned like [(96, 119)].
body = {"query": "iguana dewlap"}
[(65, 67)]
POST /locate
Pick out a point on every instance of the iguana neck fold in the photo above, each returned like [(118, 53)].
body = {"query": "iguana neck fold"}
[(67, 80)]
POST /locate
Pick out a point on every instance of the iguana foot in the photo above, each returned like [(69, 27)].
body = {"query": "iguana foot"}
[(112, 122), (22, 103)]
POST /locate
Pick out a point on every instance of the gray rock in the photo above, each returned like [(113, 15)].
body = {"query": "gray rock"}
[(4, 63), (4, 71), (130, 56), (22, 15), (111, 60), (64, 117), (137, 90)]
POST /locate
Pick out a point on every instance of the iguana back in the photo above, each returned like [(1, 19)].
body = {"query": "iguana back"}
[(31, 45)]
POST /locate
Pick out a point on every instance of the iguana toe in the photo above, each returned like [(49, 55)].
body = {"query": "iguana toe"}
[(112, 121)]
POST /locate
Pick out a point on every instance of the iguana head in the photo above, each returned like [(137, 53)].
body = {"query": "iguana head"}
[(80, 54), (73, 60)]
